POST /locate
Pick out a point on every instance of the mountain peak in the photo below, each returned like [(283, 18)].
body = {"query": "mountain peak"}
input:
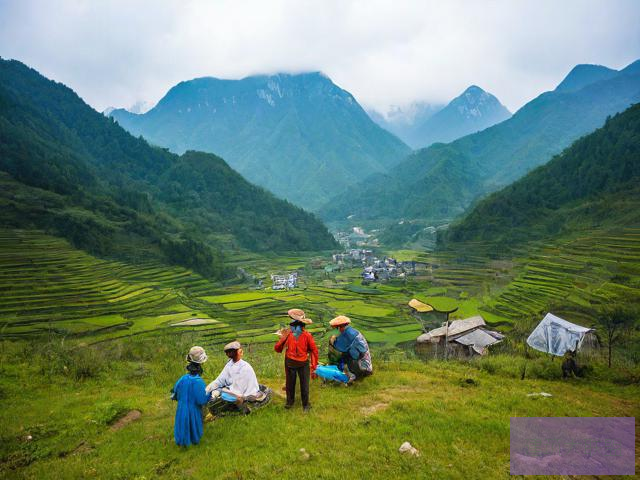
[(273, 128), (476, 102), (474, 90), (584, 74)]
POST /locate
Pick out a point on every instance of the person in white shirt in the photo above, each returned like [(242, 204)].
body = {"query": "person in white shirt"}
[(236, 390), (237, 377)]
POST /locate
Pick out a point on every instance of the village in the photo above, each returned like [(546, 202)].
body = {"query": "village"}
[(441, 336)]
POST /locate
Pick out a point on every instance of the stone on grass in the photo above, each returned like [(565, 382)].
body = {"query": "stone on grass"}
[(406, 447)]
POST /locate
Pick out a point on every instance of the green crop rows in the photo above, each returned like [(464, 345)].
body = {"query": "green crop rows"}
[(47, 286)]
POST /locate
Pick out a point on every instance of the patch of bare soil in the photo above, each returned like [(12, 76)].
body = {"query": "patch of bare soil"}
[(132, 416)]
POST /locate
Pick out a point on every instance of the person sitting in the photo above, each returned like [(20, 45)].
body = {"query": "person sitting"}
[(301, 349), (569, 365), (191, 395), (349, 350), (236, 389)]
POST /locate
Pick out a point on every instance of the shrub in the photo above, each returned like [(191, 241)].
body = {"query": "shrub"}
[(106, 413)]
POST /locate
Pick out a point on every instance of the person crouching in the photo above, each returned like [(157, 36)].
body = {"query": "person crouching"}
[(349, 350), (301, 350), (191, 395)]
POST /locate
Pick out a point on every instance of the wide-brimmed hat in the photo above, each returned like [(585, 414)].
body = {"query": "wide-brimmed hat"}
[(197, 355), (298, 315), (339, 321), (232, 346)]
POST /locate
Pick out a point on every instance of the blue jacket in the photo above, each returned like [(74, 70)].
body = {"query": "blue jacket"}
[(350, 341), (190, 393)]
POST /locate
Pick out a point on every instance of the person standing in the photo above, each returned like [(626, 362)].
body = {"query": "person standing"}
[(301, 358), (191, 395)]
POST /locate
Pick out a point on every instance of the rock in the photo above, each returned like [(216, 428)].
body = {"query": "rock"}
[(539, 394), (406, 447)]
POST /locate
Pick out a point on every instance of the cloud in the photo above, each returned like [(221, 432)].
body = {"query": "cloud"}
[(384, 52)]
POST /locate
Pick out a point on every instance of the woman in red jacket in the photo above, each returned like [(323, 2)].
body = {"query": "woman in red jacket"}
[(301, 350)]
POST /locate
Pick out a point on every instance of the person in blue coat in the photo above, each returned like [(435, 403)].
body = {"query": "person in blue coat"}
[(350, 349), (191, 395)]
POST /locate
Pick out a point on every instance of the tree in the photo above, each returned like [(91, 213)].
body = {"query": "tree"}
[(616, 321)]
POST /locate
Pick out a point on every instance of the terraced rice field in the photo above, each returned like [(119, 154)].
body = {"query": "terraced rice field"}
[(569, 276), (46, 286)]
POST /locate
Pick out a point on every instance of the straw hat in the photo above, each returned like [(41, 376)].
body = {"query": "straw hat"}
[(298, 315), (197, 355), (339, 321), (232, 346)]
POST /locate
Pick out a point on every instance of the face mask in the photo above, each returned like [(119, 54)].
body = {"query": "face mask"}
[(297, 331)]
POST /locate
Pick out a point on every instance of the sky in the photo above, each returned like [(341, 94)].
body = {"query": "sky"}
[(386, 53)]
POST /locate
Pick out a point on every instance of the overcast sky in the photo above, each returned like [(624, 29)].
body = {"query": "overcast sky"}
[(393, 52)]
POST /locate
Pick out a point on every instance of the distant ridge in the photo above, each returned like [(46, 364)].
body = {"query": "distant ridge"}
[(422, 124), (439, 183), (300, 136), (594, 182), (73, 172)]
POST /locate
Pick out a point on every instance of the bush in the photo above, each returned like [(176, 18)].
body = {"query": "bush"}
[(78, 362), (107, 413)]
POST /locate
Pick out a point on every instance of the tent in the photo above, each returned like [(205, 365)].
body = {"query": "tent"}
[(556, 336)]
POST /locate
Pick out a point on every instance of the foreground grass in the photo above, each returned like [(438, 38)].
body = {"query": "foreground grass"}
[(65, 399)]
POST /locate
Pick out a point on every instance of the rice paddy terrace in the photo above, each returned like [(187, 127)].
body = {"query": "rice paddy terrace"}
[(47, 286), (565, 276)]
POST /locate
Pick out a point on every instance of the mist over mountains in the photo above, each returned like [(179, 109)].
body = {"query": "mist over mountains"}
[(421, 124), (439, 183)]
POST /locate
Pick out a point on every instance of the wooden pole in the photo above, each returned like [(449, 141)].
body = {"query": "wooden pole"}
[(446, 339)]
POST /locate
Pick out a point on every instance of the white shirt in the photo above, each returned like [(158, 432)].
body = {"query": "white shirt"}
[(239, 378)]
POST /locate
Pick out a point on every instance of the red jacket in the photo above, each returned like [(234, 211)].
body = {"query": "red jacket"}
[(300, 348)]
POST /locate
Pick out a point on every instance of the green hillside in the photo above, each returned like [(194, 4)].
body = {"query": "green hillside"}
[(439, 183), (591, 184), (456, 415), (71, 171), (300, 136)]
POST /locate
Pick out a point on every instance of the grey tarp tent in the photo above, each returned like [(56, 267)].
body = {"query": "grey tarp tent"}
[(557, 336)]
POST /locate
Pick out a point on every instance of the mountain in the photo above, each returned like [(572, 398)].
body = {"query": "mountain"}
[(594, 182), (73, 172), (300, 136), (582, 75), (439, 183), (403, 122), (422, 124), (472, 111)]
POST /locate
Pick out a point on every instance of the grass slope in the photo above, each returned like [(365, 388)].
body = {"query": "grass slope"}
[(351, 432)]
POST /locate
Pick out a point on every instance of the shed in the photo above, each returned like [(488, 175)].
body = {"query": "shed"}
[(464, 337), (557, 336)]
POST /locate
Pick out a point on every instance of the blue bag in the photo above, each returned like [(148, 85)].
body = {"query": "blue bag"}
[(227, 397), (331, 372)]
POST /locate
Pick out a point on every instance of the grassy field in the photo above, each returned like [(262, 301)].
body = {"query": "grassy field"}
[(60, 407), (85, 340)]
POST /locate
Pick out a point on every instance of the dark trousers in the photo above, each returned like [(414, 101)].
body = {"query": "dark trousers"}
[(300, 369)]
